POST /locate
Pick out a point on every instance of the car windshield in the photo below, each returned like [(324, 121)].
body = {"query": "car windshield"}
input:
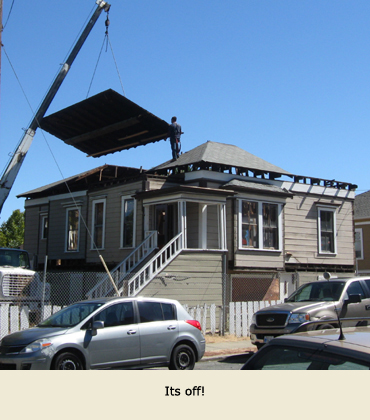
[(319, 291), (71, 315), (14, 258)]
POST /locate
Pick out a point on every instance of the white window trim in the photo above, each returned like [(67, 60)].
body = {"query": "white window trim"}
[(94, 202), (260, 226), (334, 211), (68, 209), (359, 230), (123, 199)]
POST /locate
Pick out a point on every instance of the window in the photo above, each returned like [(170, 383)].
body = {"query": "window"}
[(327, 230), (119, 314), (260, 225), (128, 223), (359, 244), (98, 224), (250, 224), (44, 227), (355, 288), (270, 226), (73, 229), (156, 311)]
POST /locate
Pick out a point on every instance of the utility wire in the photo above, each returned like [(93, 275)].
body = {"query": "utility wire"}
[(10, 12)]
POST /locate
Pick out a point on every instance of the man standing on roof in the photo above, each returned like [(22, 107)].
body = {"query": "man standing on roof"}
[(174, 134)]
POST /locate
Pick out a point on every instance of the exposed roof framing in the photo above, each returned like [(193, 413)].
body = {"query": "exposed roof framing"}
[(105, 123), (109, 174)]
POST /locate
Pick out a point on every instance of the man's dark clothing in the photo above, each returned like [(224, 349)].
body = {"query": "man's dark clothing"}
[(175, 134)]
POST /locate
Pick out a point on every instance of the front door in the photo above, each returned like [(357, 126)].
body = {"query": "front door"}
[(165, 223)]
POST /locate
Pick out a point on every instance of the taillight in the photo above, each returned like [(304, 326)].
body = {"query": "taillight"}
[(194, 323)]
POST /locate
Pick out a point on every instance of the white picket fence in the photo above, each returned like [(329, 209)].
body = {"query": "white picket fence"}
[(16, 318), (240, 315)]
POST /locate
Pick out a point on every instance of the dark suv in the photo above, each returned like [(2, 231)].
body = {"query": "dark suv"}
[(322, 300)]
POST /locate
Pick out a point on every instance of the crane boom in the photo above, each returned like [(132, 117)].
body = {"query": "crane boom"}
[(11, 172)]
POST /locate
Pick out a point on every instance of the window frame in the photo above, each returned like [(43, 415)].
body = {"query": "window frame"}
[(260, 225), (93, 228), (360, 231), (69, 209), (123, 201), (44, 236), (333, 211)]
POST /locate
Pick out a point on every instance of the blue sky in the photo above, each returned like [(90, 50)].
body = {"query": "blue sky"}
[(288, 81)]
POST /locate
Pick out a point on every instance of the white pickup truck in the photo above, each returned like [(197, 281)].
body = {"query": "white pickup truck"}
[(17, 280)]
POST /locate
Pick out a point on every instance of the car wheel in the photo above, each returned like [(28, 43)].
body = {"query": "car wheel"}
[(183, 358), (67, 361)]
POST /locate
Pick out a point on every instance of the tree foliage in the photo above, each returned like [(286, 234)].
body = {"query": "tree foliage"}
[(12, 231)]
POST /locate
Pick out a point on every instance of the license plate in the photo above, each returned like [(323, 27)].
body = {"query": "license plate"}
[(268, 338)]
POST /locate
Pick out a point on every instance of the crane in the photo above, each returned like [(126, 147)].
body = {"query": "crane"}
[(8, 177)]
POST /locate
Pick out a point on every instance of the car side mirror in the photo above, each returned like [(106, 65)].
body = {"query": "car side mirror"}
[(97, 325), (353, 299)]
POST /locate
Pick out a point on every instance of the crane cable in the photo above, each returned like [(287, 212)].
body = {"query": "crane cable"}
[(106, 41)]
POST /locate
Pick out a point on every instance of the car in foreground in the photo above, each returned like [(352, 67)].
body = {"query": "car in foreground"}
[(322, 300), (332, 349), (108, 333)]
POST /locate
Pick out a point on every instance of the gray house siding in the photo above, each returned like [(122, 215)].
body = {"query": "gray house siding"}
[(193, 278), (112, 251), (57, 229), (32, 238), (301, 216)]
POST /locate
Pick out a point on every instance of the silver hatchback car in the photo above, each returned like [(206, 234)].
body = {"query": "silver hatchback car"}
[(108, 333)]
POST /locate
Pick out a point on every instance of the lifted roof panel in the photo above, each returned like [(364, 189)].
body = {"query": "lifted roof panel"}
[(105, 123)]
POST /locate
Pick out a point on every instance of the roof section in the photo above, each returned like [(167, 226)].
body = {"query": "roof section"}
[(84, 180), (362, 205), (105, 123), (225, 156), (237, 184)]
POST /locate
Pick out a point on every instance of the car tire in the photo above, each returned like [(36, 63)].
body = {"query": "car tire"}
[(182, 358), (67, 361)]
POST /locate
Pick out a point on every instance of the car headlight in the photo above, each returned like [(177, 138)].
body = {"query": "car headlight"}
[(37, 345), (253, 321), (298, 318)]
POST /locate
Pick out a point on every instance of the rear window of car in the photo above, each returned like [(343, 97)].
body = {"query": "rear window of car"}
[(156, 311), (297, 358)]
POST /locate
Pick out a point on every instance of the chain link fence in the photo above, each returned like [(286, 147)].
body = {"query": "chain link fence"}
[(46, 293)]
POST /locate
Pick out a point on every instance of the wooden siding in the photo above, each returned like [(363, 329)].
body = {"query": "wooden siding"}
[(197, 279), (57, 229), (32, 233), (112, 252), (301, 231)]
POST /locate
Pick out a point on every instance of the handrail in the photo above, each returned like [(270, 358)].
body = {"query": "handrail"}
[(137, 256), (153, 267)]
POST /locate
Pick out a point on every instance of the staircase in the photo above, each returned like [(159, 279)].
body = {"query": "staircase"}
[(153, 267), (122, 270)]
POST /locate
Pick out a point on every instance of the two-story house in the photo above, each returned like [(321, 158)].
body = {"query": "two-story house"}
[(218, 221)]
